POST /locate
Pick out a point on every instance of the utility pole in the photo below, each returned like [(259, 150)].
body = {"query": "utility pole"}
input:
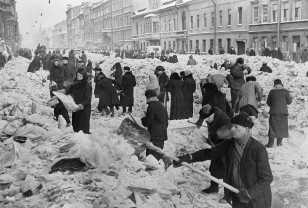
[(215, 27), (111, 27), (278, 23)]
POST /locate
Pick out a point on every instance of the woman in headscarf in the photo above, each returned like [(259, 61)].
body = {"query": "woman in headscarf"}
[(117, 74), (177, 97), (81, 91), (153, 84)]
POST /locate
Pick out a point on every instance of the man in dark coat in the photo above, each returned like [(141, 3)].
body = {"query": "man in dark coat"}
[(210, 51), (127, 94), (83, 57), (81, 91), (189, 88), (35, 64), (107, 94), (265, 68), (177, 107), (247, 165), (304, 56), (156, 120), (69, 71), (232, 51), (117, 74), (222, 51), (252, 52), (57, 76), (163, 81), (267, 52), (216, 98), (216, 121), (236, 78), (71, 58)]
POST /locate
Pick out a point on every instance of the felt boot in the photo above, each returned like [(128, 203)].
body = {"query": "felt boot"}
[(270, 143), (214, 188), (279, 142)]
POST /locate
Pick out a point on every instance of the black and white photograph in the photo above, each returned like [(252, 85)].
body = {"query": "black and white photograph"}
[(153, 104)]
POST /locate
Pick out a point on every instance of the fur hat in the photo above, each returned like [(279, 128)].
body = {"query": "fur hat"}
[(242, 119), (250, 110), (160, 68), (206, 111), (150, 93), (277, 82), (126, 68)]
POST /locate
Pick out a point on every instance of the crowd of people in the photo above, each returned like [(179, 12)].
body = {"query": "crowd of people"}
[(236, 157)]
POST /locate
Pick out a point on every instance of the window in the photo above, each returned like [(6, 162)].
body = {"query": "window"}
[(211, 43), (264, 42), (255, 44), (220, 18), (191, 22), (219, 43), (229, 16), (197, 44), (190, 46), (165, 25), (169, 45), (213, 19), (174, 25), (240, 15), (204, 45), (165, 45), (173, 45), (155, 27), (285, 43), (205, 20), (256, 14), (285, 12), (274, 13), (198, 21), (228, 43), (183, 21), (169, 25), (297, 10), (264, 13), (137, 28)]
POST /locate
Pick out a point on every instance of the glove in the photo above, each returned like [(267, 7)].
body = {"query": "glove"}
[(80, 107), (244, 196), (185, 158)]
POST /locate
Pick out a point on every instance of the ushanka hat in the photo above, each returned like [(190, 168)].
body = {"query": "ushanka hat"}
[(126, 68), (242, 119), (277, 82), (160, 68), (206, 111)]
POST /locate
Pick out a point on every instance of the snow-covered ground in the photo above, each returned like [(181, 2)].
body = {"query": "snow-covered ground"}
[(109, 186)]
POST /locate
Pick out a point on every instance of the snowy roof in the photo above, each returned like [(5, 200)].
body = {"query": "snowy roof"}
[(150, 15)]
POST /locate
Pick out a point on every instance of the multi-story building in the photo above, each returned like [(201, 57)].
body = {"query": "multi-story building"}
[(98, 14), (72, 16), (59, 35), (189, 24), (279, 23), (9, 28)]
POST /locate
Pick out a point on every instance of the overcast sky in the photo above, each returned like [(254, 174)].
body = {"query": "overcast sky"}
[(29, 13)]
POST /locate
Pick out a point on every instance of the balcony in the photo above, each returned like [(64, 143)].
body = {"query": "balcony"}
[(150, 36)]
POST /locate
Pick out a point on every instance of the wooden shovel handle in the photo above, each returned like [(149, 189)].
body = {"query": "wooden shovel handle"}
[(150, 146)]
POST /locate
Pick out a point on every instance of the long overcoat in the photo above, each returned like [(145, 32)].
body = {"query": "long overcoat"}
[(57, 75), (177, 107), (163, 81), (82, 94), (106, 92), (189, 87), (128, 84)]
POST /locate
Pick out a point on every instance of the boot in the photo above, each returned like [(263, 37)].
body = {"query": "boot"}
[(279, 142), (112, 111), (214, 188), (270, 143)]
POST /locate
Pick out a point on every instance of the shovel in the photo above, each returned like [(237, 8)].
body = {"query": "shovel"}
[(150, 146)]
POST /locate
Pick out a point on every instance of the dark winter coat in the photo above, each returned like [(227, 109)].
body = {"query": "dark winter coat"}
[(156, 120), (266, 68), (252, 53), (163, 81), (191, 62), (83, 57), (216, 98), (69, 72), (232, 51), (34, 65), (236, 80), (277, 100), (72, 59), (189, 88), (177, 107), (128, 84), (304, 56), (57, 75), (255, 171), (106, 92), (82, 94), (2, 60), (118, 74)]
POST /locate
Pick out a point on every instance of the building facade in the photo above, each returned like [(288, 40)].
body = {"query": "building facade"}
[(279, 23), (59, 35), (9, 28)]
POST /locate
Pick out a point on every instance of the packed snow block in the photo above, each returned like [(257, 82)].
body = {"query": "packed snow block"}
[(67, 101), (30, 184), (52, 133), (12, 127), (2, 124), (70, 164), (101, 150), (30, 131), (134, 134), (34, 119)]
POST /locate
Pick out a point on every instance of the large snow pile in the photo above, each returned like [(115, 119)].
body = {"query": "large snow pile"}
[(31, 143)]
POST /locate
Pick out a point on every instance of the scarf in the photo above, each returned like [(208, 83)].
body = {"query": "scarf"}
[(151, 99)]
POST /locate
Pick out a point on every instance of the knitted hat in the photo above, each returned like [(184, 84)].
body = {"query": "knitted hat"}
[(126, 68), (206, 111), (150, 93), (250, 110), (160, 68), (187, 72), (277, 82), (242, 119)]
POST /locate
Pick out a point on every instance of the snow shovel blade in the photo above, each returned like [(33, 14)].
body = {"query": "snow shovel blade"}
[(135, 135)]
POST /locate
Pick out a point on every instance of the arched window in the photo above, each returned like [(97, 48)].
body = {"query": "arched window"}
[(183, 21)]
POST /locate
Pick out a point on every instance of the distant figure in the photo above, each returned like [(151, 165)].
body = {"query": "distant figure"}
[(191, 61), (252, 52), (189, 88), (177, 97), (127, 94), (83, 57), (232, 51), (2, 61), (248, 52), (222, 51), (210, 51), (304, 56), (266, 68), (197, 51)]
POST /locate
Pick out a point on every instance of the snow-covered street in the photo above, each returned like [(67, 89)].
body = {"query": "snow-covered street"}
[(120, 179)]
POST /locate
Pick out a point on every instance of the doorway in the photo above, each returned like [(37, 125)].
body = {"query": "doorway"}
[(240, 47)]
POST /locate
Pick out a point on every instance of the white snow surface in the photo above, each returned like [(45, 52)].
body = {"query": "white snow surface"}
[(178, 187)]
